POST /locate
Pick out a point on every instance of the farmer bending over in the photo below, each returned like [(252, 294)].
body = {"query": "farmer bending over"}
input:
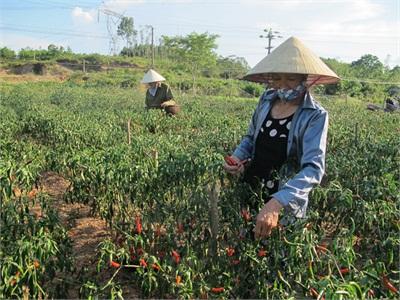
[(158, 94)]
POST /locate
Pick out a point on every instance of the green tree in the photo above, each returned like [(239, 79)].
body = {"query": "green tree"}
[(232, 67), (368, 66), (7, 53), (196, 51), (127, 31), (27, 53), (54, 51), (394, 74)]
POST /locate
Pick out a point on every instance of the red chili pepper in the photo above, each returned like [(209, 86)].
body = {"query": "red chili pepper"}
[(143, 263), (139, 227), (245, 214), (230, 161), (156, 267), (344, 271), (217, 290), (178, 279), (114, 264), (262, 253), (230, 251), (176, 256), (389, 285)]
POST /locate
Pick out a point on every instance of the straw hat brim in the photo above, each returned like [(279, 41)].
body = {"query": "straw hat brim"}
[(152, 76), (293, 57)]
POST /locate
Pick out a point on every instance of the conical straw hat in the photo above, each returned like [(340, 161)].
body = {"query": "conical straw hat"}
[(292, 56), (152, 76)]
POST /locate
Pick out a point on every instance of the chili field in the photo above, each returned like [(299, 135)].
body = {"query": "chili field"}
[(179, 226)]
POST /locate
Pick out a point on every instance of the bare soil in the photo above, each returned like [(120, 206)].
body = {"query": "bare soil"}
[(86, 232), (29, 77)]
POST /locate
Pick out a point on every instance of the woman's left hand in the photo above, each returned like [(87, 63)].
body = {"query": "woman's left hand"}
[(267, 218)]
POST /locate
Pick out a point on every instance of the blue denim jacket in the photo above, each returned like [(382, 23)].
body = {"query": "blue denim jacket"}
[(305, 151)]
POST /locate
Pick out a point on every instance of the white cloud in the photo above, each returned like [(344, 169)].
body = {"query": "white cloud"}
[(80, 15)]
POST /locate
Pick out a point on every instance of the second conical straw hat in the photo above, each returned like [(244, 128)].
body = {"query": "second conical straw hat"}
[(292, 56), (152, 76)]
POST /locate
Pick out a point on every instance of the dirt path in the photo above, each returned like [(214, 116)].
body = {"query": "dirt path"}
[(85, 231)]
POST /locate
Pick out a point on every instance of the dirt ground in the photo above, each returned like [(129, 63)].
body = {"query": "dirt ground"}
[(14, 78), (85, 231)]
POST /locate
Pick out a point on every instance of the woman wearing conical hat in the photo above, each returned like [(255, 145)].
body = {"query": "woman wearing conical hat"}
[(284, 148), (159, 94)]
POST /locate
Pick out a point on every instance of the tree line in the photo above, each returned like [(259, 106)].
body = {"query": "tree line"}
[(195, 55)]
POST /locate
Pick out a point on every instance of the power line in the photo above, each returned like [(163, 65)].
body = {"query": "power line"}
[(47, 4), (94, 35), (54, 32), (228, 28)]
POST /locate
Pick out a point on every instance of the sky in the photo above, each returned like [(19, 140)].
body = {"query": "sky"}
[(341, 29)]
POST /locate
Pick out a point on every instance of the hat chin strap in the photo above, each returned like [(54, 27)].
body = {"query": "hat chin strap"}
[(312, 83)]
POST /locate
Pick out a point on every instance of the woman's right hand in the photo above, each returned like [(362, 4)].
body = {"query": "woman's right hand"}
[(236, 168)]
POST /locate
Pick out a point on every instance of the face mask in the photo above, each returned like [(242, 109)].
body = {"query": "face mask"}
[(291, 94)]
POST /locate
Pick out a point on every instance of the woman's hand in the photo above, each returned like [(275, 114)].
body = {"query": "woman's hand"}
[(234, 169), (267, 218)]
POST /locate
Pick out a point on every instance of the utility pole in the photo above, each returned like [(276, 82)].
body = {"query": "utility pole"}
[(270, 35)]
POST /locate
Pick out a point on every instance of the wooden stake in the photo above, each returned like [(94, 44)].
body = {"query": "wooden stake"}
[(213, 194), (356, 135), (129, 131)]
